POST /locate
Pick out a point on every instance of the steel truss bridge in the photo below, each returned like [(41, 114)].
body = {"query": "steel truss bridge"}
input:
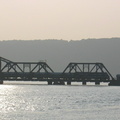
[(40, 71)]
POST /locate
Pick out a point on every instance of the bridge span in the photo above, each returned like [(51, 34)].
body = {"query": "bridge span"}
[(41, 71)]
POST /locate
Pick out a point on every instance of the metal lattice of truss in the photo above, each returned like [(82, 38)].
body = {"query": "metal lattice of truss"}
[(87, 72), (10, 70)]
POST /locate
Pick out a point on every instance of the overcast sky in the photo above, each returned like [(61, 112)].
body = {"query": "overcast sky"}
[(59, 19)]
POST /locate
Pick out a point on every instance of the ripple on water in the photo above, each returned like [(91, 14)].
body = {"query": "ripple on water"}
[(36, 102)]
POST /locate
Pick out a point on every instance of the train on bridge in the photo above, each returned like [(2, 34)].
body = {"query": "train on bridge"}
[(41, 71)]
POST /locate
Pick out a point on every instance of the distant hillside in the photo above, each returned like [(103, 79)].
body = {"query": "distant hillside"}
[(58, 53)]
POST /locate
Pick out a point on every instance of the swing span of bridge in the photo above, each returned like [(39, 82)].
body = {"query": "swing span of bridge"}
[(40, 71)]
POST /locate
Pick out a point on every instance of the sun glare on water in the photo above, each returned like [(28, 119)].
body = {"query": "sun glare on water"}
[(6, 87), (6, 97)]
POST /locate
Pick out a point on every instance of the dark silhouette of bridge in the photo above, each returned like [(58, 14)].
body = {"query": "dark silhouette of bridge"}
[(40, 71)]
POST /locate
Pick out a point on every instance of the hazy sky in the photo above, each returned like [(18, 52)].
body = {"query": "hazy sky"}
[(59, 19)]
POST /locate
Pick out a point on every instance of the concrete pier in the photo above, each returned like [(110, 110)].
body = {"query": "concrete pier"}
[(97, 83), (84, 82), (1, 81), (50, 82), (114, 83), (58, 83), (68, 82)]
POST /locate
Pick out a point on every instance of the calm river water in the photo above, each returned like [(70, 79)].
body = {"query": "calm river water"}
[(75, 102)]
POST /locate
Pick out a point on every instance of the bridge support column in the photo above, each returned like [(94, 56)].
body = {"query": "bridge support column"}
[(114, 83), (1, 81), (97, 83), (58, 83), (84, 82), (68, 82), (49, 82)]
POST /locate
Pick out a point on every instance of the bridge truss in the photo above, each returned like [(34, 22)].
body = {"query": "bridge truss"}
[(10, 70), (87, 72), (40, 71)]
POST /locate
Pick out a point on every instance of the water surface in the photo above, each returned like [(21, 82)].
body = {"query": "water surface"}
[(43, 102)]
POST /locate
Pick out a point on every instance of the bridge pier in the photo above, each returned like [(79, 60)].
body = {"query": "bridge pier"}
[(97, 83), (49, 82), (58, 83), (1, 81), (84, 82), (68, 82), (114, 83)]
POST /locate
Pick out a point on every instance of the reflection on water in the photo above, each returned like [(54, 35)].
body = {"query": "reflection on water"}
[(5, 87), (42, 102), (6, 94)]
